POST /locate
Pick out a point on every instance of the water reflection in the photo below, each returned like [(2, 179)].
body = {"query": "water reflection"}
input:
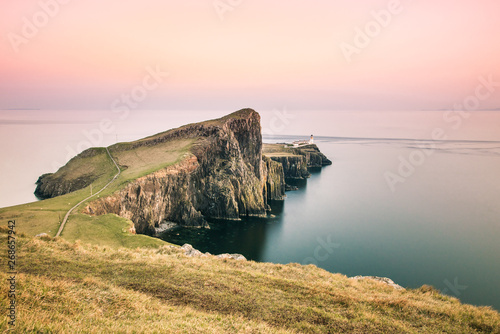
[(248, 236)]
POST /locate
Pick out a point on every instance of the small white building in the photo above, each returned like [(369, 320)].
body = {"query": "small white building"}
[(303, 142)]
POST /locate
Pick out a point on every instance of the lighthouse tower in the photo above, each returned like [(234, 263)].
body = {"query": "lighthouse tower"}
[(311, 141)]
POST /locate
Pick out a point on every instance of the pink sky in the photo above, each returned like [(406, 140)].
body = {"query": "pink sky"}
[(259, 54)]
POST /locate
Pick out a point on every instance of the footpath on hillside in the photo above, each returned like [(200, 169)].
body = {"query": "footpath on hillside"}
[(61, 228)]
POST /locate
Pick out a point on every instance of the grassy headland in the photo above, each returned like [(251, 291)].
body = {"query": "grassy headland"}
[(45, 216)]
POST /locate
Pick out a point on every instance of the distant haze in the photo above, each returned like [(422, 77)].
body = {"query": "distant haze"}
[(86, 54)]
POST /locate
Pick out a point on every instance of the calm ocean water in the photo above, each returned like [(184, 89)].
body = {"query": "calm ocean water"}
[(438, 224), (440, 227)]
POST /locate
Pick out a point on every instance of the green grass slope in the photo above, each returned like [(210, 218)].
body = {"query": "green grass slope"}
[(78, 288), (45, 216)]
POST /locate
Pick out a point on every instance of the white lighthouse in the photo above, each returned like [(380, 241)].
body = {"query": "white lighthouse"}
[(311, 141)]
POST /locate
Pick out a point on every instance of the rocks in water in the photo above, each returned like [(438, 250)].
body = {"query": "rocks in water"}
[(165, 226), (289, 187), (384, 280), (190, 251)]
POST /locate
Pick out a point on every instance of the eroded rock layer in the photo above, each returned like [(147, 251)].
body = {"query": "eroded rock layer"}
[(223, 175)]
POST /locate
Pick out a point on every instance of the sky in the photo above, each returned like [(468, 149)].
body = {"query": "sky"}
[(364, 68), (229, 54)]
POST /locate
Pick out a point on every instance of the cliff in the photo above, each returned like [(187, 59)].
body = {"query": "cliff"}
[(223, 176), (275, 181), (296, 161), (213, 169), (78, 173)]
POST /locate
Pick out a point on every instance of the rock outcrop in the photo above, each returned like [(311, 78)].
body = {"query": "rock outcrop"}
[(294, 166), (193, 252), (297, 161), (314, 158), (224, 177), (384, 280), (275, 181), (78, 173)]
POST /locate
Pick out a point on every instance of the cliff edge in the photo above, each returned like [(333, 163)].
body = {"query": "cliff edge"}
[(296, 161)]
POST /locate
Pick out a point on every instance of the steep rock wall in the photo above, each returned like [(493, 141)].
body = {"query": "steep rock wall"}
[(294, 166), (314, 157), (224, 177), (297, 161), (275, 183)]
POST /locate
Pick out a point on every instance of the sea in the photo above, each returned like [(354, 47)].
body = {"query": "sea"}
[(411, 195)]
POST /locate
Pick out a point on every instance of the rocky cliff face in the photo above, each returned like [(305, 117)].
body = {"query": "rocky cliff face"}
[(314, 157), (297, 161), (275, 181), (48, 186), (223, 177), (294, 166), (55, 184)]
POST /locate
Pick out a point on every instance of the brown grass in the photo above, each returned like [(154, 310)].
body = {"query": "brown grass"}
[(73, 287)]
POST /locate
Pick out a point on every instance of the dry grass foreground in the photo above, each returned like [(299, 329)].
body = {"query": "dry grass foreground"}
[(67, 287)]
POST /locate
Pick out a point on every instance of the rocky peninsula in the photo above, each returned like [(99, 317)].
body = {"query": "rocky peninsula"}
[(223, 171)]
